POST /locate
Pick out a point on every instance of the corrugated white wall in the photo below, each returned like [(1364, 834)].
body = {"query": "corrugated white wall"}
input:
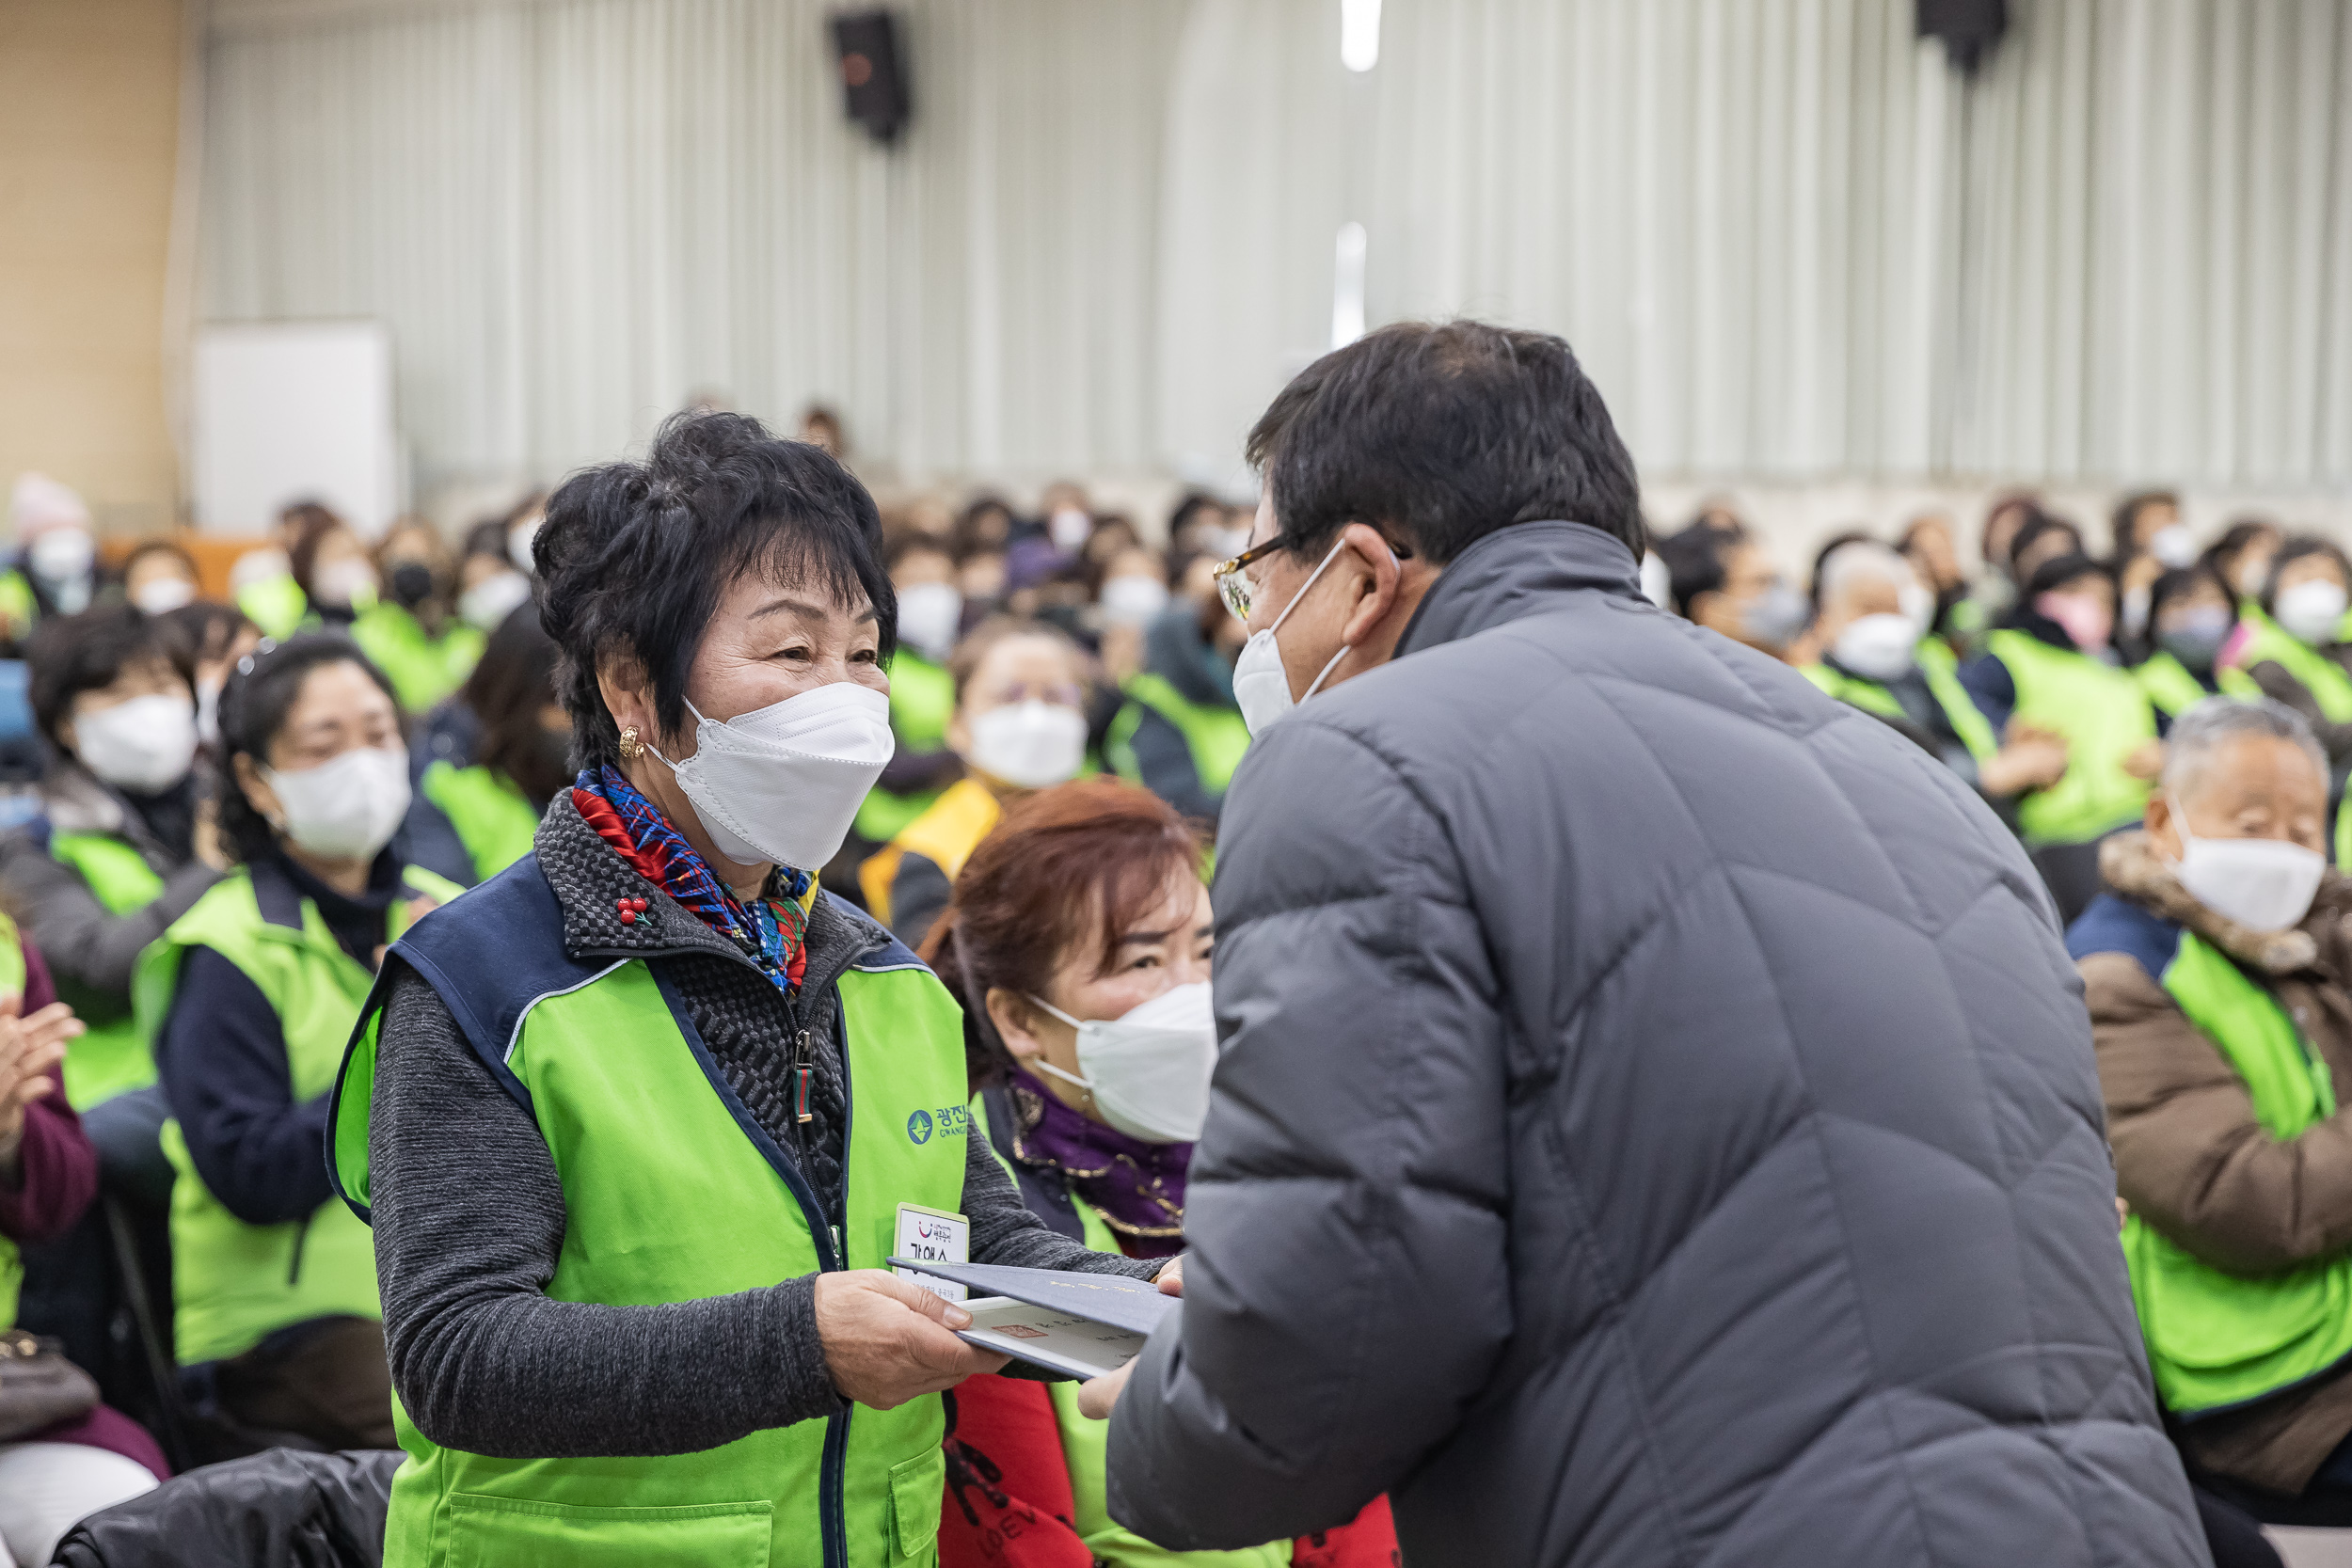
[(1787, 241)]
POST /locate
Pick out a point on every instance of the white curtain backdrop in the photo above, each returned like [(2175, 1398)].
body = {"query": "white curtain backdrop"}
[(1786, 240), (576, 213)]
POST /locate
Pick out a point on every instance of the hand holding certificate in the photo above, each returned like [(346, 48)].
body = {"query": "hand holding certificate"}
[(1082, 1325)]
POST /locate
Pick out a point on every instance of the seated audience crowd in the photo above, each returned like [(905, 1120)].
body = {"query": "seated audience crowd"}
[(247, 793)]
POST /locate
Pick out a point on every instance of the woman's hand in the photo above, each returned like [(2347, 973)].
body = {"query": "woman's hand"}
[(30, 1049), (884, 1339), (1170, 1279)]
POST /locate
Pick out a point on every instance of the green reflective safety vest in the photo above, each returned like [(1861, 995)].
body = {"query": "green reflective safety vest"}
[(423, 668), (2104, 715), (1086, 1444), (2326, 681), (922, 701), (232, 1283), (1215, 733), (493, 820), (1941, 670), (277, 605), (2218, 1339), (11, 1262), (610, 1072), (113, 1056), (2169, 685)]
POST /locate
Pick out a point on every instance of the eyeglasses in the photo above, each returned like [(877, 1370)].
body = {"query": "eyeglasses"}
[(1232, 583)]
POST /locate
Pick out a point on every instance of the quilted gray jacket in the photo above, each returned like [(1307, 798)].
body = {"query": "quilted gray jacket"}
[(1657, 1125)]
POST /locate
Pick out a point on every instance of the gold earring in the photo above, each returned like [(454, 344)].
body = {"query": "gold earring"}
[(631, 748)]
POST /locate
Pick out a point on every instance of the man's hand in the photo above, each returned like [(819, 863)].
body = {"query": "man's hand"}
[(1096, 1396), (30, 1050), (885, 1343)]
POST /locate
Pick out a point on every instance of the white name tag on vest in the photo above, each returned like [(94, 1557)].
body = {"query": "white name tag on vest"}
[(936, 1237)]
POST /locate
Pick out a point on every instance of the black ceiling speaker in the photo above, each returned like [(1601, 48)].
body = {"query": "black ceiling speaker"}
[(1968, 28), (873, 72)]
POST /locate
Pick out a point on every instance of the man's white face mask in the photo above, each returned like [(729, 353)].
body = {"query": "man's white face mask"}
[(1262, 688), (2264, 884)]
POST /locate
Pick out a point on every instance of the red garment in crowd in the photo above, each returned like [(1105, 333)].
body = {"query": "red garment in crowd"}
[(1009, 1503)]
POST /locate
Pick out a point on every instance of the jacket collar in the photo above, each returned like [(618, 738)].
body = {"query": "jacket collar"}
[(2130, 864), (590, 881), (1515, 572), (76, 802)]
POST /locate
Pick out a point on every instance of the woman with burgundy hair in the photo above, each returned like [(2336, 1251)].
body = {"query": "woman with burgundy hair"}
[(1078, 940)]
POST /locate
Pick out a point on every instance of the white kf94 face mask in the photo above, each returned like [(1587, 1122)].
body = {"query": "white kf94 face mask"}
[(782, 783), (1149, 1068), (145, 745), (2263, 884), (1262, 688), (1029, 745), (347, 807)]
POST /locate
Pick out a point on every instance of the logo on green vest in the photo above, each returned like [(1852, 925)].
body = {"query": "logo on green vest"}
[(953, 1122)]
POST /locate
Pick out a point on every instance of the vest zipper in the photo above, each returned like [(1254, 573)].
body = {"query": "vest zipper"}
[(302, 1235), (831, 1482)]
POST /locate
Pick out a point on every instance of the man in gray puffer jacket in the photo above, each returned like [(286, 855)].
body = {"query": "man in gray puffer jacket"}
[(1657, 1123)]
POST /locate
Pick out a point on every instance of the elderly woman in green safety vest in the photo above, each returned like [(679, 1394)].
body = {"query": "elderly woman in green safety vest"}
[(2294, 650), (250, 998), (476, 816), (1879, 657), (2191, 620), (2216, 972), (123, 845), (2049, 667), (638, 1120)]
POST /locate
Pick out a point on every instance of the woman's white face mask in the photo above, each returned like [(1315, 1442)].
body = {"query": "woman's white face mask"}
[(1148, 1069), (487, 604), (347, 807), (1029, 745), (145, 745), (2265, 884), (782, 783)]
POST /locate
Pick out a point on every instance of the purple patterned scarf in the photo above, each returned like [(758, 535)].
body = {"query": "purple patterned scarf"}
[(1138, 1187)]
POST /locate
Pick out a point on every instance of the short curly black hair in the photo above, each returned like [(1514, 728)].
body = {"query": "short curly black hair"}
[(635, 557)]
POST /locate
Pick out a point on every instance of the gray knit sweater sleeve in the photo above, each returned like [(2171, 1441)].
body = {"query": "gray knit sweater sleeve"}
[(468, 1222)]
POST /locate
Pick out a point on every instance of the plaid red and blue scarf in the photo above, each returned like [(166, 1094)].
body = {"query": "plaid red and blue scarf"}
[(770, 928)]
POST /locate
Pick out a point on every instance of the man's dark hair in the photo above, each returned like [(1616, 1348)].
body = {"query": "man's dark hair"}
[(88, 652), (261, 691), (636, 556), (1440, 434)]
